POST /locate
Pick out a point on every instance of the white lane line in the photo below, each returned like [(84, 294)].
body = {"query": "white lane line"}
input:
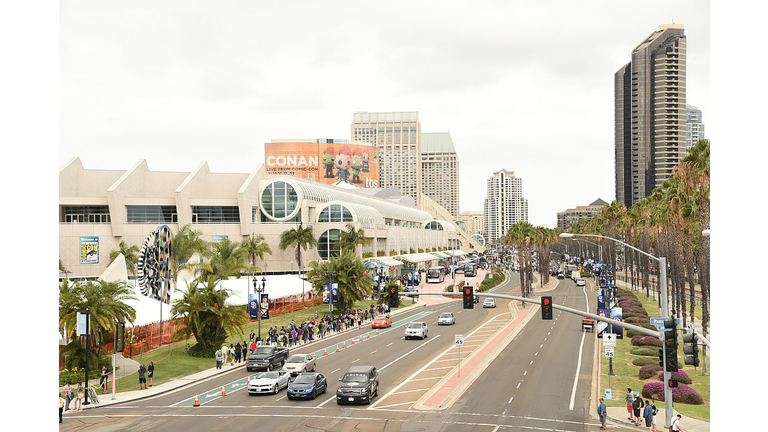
[(337, 369), (353, 361), (390, 344), (411, 391), (578, 362)]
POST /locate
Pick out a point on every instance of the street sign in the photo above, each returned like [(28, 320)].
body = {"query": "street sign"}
[(609, 352), (608, 394), (609, 340), (459, 339), (659, 322)]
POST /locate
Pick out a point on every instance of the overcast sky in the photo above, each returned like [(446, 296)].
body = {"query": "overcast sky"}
[(525, 86)]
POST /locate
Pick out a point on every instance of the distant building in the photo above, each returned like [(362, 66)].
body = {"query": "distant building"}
[(440, 170), (398, 136), (694, 127), (650, 114), (504, 204), (569, 217)]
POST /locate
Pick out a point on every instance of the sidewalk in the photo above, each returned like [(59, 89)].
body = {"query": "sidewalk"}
[(132, 367)]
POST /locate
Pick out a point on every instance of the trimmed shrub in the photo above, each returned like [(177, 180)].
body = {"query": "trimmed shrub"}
[(646, 352), (645, 361), (649, 341), (681, 394), (679, 376), (648, 371)]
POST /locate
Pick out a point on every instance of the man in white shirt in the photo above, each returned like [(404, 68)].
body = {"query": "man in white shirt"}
[(676, 423)]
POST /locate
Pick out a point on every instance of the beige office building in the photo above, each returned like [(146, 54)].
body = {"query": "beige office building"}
[(398, 136), (566, 219), (99, 208), (440, 170)]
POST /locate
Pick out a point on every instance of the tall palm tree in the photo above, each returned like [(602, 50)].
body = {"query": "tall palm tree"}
[(131, 254), (105, 301), (186, 243), (255, 246), (227, 260), (351, 238), (298, 237)]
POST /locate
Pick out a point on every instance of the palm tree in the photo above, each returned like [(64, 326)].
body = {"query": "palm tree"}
[(186, 243), (299, 238), (255, 246), (354, 284), (204, 314), (352, 237), (131, 254), (105, 301), (227, 260)]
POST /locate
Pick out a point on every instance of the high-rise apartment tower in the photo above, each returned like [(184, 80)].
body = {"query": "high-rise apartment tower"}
[(398, 135), (440, 170), (504, 205), (650, 114), (694, 126)]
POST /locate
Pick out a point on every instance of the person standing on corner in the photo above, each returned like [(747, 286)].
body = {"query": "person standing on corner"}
[(637, 405), (142, 377), (104, 377), (676, 424), (602, 413), (655, 411), (61, 407), (150, 372), (629, 398), (69, 395), (220, 358), (79, 396), (648, 416)]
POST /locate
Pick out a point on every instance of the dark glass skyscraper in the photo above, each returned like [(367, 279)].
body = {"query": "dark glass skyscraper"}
[(650, 113)]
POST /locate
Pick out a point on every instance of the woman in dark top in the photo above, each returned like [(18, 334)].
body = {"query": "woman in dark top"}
[(150, 372)]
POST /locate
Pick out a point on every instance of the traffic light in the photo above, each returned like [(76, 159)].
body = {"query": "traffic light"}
[(670, 344), (469, 296), (692, 349), (546, 308), (120, 337), (672, 383), (394, 296)]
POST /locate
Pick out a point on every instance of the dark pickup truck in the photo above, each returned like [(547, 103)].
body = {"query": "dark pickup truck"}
[(266, 357)]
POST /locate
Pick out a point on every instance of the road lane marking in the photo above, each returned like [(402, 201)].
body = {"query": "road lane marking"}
[(578, 364)]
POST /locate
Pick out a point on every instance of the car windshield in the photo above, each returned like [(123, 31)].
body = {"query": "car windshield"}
[(381, 317), (263, 350), (490, 300), (270, 375), (445, 315), (415, 325), (304, 379), (296, 359), (355, 377)]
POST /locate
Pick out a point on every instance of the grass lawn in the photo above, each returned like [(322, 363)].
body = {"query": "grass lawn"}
[(626, 374), (172, 362)]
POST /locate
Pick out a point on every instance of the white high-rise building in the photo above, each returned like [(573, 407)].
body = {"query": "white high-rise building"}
[(694, 127), (504, 204)]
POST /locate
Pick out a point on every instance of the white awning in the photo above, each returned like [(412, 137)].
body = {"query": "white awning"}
[(441, 254), (456, 252), (387, 261), (418, 257)]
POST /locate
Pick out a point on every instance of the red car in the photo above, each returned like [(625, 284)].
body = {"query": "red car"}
[(381, 321)]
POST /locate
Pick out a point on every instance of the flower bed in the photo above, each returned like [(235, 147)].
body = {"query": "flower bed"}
[(679, 376), (681, 394), (649, 341), (648, 371)]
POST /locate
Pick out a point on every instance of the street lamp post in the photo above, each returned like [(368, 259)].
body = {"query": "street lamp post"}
[(664, 311), (259, 289)]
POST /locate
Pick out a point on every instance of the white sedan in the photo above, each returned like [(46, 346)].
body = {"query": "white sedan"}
[(446, 318), (581, 282), (489, 302), (299, 363), (268, 382)]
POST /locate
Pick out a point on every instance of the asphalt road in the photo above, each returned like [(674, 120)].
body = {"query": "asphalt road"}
[(528, 386)]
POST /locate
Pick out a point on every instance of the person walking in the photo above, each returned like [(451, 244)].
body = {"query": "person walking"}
[(220, 358), (238, 352), (104, 377), (629, 398), (602, 413), (79, 395), (150, 372), (648, 416), (676, 424), (231, 355), (655, 411), (61, 407), (69, 395), (142, 377)]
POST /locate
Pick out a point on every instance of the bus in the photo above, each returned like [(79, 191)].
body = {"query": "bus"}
[(435, 274)]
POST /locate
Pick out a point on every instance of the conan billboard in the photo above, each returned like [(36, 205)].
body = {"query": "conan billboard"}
[(331, 163)]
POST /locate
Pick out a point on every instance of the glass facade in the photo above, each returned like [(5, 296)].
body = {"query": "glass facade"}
[(279, 200), (215, 214), (152, 214), (326, 242), (335, 213)]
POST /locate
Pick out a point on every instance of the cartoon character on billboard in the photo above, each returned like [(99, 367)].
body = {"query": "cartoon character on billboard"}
[(366, 159), (343, 161), (356, 165), (328, 162)]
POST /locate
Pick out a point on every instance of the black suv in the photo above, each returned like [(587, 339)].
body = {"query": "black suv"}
[(359, 384)]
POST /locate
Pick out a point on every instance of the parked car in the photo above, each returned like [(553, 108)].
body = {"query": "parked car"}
[(268, 382), (490, 302), (359, 384), (299, 363), (381, 321), (307, 385), (581, 282), (446, 318), (416, 329)]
